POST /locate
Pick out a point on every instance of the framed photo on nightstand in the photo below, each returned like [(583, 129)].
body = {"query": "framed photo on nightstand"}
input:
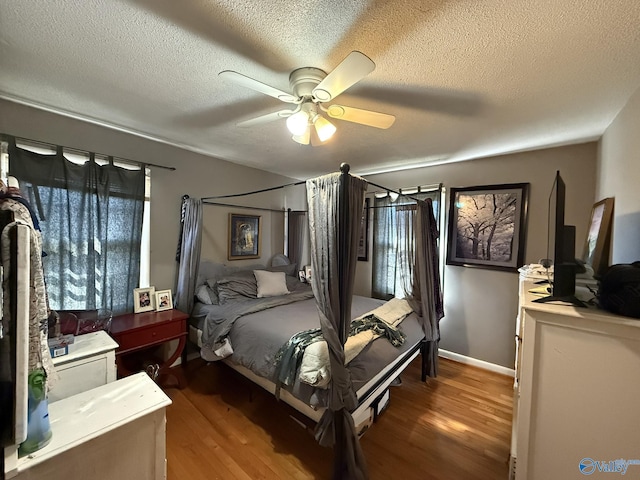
[(143, 299), (163, 300)]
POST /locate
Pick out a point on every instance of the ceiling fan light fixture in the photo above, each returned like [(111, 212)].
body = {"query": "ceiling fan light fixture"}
[(324, 128), (298, 123), (304, 138)]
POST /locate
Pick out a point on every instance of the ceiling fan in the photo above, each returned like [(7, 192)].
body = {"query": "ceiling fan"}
[(311, 88)]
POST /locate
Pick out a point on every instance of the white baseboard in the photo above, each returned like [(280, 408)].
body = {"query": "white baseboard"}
[(477, 363)]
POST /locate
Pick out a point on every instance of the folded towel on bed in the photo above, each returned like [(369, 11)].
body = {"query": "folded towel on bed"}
[(393, 311)]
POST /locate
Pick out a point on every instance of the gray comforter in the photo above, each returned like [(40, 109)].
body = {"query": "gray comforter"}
[(256, 336), (220, 318)]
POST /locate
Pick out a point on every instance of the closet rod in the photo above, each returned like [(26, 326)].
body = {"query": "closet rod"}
[(79, 150), (255, 191), (219, 204)]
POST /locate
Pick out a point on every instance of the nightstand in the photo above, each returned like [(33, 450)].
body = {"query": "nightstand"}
[(138, 335), (89, 364)]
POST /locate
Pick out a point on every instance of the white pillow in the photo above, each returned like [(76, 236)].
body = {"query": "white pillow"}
[(270, 284)]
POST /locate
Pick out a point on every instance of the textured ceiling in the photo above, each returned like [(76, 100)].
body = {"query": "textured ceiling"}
[(465, 79)]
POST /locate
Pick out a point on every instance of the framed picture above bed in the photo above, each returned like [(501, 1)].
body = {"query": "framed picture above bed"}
[(244, 236), (487, 226)]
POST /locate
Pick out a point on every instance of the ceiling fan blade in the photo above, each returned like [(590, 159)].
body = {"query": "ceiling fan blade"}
[(351, 70), (269, 117), (357, 115), (257, 86)]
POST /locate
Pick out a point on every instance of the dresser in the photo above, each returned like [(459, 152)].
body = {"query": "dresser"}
[(576, 391), (114, 431), (91, 362)]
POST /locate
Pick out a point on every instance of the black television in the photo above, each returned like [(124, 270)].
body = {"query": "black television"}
[(562, 239)]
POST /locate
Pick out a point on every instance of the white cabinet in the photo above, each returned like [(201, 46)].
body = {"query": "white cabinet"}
[(91, 362), (576, 392), (115, 431)]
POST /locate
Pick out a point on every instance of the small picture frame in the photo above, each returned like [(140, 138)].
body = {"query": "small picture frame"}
[(307, 273), (598, 242), (163, 300), (143, 299)]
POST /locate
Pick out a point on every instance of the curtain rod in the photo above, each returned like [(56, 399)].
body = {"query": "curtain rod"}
[(219, 204), (398, 193), (255, 191), (80, 150)]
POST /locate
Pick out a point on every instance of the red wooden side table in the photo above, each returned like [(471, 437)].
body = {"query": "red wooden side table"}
[(137, 333)]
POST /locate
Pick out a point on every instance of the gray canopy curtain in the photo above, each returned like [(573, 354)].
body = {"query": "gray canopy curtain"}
[(91, 220), (335, 204), (297, 225), (419, 261), (189, 253)]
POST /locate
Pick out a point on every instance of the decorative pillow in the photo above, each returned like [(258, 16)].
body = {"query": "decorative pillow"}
[(204, 293), (212, 289), (287, 269), (270, 284), (237, 286)]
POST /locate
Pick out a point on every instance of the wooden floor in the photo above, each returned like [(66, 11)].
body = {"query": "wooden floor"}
[(456, 426)]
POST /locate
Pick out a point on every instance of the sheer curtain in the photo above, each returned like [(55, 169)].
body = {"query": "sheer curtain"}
[(420, 273), (335, 207), (391, 227), (189, 253), (91, 220), (384, 249)]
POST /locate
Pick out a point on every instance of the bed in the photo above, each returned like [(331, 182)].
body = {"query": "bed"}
[(229, 322), (335, 204)]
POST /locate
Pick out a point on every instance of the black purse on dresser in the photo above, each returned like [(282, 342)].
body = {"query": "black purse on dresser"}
[(619, 290)]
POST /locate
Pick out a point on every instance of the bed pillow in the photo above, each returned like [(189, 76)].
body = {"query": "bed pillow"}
[(287, 269), (206, 295), (209, 270), (212, 289), (270, 284), (239, 286)]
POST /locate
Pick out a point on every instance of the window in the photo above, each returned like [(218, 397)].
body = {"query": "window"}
[(387, 229), (91, 212)]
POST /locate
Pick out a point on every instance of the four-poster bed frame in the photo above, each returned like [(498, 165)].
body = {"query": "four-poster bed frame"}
[(334, 428)]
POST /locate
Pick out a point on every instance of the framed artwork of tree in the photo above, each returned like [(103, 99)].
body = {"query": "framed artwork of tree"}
[(487, 226)]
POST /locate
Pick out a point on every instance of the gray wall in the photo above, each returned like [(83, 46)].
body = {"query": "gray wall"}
[(481, 304), (195, 175), (619, 176)]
